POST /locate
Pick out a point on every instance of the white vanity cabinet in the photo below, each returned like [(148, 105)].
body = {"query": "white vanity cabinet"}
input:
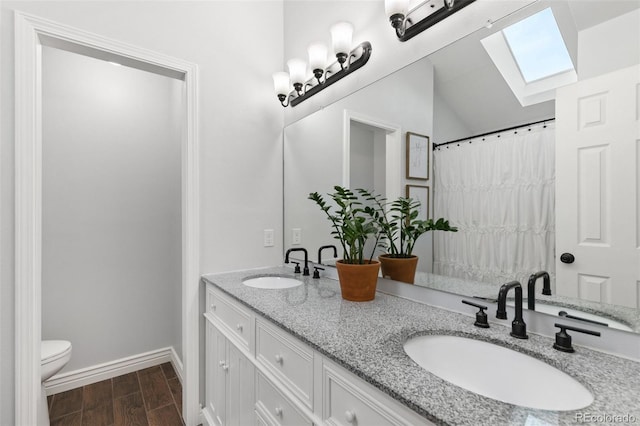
[(257, 373), (229, 372), (230, 381)]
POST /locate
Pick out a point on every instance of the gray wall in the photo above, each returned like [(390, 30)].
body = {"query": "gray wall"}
[(362, 157), (111, 258)]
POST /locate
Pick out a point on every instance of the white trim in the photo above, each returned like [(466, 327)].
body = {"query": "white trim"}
[(30, 32), (206, 419), (108, 370), (393, 165), (177, 365), (531, 93), (27, 224)]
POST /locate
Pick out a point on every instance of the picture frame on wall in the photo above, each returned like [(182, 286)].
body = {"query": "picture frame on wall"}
[(421, 194), (417, 156)]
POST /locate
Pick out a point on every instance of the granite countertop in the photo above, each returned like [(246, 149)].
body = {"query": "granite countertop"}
[(368, 337)]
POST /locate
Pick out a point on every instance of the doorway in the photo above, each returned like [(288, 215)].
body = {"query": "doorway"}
[(32, 33), (111, 220), (371, 154)]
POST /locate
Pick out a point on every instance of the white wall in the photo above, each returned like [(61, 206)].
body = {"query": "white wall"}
[(447, 124), (240, 125), (610, 46), (111, 208)]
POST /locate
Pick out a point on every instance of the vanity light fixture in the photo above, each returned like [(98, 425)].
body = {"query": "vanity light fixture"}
[(347, 61), (399, 15)]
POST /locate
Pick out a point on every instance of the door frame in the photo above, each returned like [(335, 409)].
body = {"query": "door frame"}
[(393, 162), (31, 33)]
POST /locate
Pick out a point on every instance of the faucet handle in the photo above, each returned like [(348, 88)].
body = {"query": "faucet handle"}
[(481, 315), (296, 270), (563, 340), (316, 271)]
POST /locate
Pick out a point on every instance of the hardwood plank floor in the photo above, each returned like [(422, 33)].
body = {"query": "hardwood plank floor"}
[(155, 389), (129, 410), (149, 397)]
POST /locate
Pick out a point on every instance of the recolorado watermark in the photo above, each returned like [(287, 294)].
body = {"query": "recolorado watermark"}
[(605, 418)]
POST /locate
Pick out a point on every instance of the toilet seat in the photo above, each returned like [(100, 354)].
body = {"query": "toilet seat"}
[(53, 350)]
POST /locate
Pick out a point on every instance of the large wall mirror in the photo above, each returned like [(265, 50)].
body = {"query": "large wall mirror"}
[(456, 92)]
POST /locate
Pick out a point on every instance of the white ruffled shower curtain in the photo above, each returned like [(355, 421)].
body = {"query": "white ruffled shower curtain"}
[(500, 193)]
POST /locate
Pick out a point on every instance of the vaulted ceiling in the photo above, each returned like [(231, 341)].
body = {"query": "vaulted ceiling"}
[(468, 82)]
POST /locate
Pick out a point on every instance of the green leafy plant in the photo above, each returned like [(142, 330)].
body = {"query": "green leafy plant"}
[(352, 226), (399, 224)]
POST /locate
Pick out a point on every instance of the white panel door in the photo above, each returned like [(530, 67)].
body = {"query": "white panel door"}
[(597, 184)]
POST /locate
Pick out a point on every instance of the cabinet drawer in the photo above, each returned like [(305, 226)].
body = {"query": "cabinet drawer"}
[(274, 408), (347, 404), (287, 359), (231, 314)]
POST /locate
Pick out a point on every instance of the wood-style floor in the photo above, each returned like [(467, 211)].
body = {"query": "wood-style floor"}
[(149, 397)]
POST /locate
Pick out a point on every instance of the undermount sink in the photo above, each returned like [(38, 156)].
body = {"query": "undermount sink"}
[(556, 310), (271, 282), (498, 372)]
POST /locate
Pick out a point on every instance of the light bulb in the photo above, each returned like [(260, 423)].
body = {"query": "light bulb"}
[(297, 71), (341, 35), (396, 7), (317, 56), (281, 83)]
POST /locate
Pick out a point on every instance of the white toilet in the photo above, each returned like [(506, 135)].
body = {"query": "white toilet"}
[(54, 354)]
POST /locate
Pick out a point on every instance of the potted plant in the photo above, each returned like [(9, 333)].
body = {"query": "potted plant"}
[(352, 227), (400, 227)]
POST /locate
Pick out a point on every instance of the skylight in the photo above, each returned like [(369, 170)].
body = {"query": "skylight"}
[(537, 46)]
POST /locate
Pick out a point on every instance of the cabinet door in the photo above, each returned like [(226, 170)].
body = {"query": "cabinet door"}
[(240, 391), (217, 367)]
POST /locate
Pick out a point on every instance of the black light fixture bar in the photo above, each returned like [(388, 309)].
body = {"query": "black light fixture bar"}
[(437, 16), (358, 62)]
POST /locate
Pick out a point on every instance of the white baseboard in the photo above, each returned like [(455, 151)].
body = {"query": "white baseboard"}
[(86, 376)]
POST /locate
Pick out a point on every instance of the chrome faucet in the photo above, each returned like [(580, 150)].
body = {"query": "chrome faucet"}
[(518, 327), (305, 271), (531, 288), (335, 252)]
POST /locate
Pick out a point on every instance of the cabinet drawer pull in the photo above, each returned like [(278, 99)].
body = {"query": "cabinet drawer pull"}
[(224, 365), (279, 359), (278, 411), (213, 307), (350, 416), (239, 327)]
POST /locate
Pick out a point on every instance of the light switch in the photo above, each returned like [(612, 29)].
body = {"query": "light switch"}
[(296, 236), (268, 237)]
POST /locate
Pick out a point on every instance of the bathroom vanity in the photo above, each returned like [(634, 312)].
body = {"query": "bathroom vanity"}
[(303, 355)]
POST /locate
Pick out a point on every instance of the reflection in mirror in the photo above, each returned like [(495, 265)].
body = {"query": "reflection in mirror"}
[(458, 92), (349, 144)]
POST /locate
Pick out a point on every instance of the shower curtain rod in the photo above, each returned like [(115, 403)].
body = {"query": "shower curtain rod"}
[(436, 145)]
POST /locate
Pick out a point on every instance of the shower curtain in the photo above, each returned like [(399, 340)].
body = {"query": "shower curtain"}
[(499, 191)]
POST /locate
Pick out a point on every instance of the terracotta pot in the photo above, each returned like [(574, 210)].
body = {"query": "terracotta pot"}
[(358, 282), (401, 269)]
